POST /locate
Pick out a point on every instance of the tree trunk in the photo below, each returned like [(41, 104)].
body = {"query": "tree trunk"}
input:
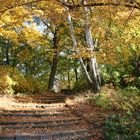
[(7, 62), (76, 74), (85, 72), (54, 63), (95, 76), (93, 79), (69, 81)]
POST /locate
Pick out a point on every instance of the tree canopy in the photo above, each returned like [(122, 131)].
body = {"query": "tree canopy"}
[(37, 36)]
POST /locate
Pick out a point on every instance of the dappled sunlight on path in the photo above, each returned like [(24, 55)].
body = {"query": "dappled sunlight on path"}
[(41, 117)]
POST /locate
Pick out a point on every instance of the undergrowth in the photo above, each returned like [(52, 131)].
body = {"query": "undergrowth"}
[(127, 99), (123, 127), (127, 102)]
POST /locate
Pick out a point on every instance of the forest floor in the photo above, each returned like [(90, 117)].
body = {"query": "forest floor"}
[(50, 117)]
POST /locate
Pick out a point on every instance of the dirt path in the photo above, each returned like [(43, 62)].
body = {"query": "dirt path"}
[(41, 118)]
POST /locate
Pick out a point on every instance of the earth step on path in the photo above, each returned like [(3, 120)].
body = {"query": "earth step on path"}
[(34, 111), (37, 113), (67, 135), (40, 106), (53, 121), (34, 115), (42, 100), (39, 124), (46, 99)]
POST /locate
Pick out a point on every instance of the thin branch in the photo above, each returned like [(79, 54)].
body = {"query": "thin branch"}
[(135, 5), (18, 5), (110, 19), (98, 4), (127, 20), (49, 27)]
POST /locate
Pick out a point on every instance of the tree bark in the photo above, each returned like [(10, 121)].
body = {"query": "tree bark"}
[(7, 60), (85, 72), (89, 80), (76, 74), (54, 63), (95, 76), (69, 80), (93, 79)]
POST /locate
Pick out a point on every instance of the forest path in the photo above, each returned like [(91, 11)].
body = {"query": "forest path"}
[(41, 118)]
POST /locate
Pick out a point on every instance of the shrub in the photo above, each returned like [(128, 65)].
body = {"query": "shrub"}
[(123, 74), (21, 83), (81, 85), (127, 99), (111, 74), (6, 82), (12, 81), (66, 91), (122, 127), (35, 85), (25, 83), (104, 98)]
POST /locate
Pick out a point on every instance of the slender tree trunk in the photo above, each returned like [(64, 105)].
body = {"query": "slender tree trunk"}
[(95, 76), (7, 62), (76, 74), (69, 81), (93, 79), (93, 62), (85, 72), (54, 63), (14, 59)]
